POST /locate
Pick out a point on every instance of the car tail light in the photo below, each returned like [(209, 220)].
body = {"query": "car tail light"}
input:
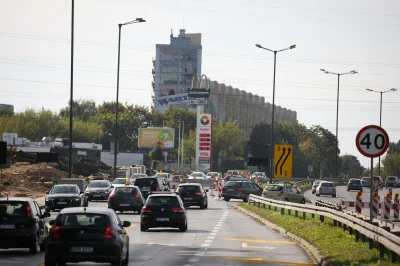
[(137, 196), (199, 193), (109, 233), (112, 196), (55, 233), (146, 209), (223, 189), (157, 188), (177, 209), (280, 193), (334, 189), (320, 188), (28, 210), (239, 190)]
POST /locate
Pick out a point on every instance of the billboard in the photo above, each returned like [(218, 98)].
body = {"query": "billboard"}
[(6, 109), (177, 101), (151, 137)]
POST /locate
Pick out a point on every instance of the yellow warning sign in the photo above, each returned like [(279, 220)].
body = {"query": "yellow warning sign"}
[(283, 161)]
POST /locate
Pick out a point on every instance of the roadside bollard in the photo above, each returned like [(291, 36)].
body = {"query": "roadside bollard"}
[(358, 202), (386, 208), (396, 203), (256, 180), (375, 205)]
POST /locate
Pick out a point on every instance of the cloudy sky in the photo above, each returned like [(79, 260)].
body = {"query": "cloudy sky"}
[(336, 35)]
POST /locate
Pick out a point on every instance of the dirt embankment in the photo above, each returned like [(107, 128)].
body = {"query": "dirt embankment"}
[(29, 180)]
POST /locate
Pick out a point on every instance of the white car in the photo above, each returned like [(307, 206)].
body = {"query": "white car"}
[(198, 175), (211, 174), (119, 182), (166, 176)]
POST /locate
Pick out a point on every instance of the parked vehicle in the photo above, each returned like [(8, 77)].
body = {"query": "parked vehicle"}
[(22, 224), (326, 188), (284, 192), (354, 184), (240, 190)]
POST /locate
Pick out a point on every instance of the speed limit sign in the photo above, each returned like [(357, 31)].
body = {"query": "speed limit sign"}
[(372, 141)]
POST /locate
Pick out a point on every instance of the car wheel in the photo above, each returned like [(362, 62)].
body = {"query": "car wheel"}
[(202, 205), (118, 262), (312, 192), (334, 196), (206, 206), (183, 228), (139, 211), (126, 260), (42, 245), (246, 199), (227, 199), (348, 189), (143, 228), (33, 248), (317, 195), (286, 199), (48, 262), (303, 201), (121, 212), (61, 263)]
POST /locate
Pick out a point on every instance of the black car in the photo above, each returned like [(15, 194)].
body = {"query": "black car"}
[(127, 198), (193, 194), (22, 224), (87, 234), (98, 190), (354, 184), (64, 196), (163, 209), (240, 190), (147, 184)]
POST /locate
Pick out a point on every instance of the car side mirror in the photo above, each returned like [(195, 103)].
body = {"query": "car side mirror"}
[(47, 192), (126, 224), (52, 222), (46, 215)]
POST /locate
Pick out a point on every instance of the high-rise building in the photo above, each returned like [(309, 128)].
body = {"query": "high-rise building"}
[(174, 67)]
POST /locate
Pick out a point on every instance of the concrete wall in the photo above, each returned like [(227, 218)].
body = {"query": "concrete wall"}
[(123, 158), (246, 108)]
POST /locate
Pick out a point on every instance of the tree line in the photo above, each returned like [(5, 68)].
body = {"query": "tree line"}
[(96, 123)]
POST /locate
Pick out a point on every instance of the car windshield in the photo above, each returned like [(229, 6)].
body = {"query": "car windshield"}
[(233, 184), (189, 188), (64, 190), (273, 188), (162, 201), (125, 190), (120, 181), (150, 182), (82, 220), (11, 210), (99, 184)]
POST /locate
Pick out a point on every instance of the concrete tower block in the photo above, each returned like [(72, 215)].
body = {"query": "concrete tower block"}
[(230, 103), (222, 100)]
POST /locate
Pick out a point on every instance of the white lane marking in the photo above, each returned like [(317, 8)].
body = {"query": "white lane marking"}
[(208, 241), (194, 259), (214, 231), (205, 245), (210, 237), (244, 245)]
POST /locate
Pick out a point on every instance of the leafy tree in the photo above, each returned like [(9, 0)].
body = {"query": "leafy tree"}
[(82, 109), (350, 166), (391, 164), (189, 147), (157, 154)]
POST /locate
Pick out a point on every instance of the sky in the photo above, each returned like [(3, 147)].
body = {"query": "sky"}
[(338, 36)]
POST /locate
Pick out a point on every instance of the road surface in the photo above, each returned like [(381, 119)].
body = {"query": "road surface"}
[(218, 235)]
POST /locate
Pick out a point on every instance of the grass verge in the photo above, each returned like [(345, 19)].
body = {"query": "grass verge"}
[(335, 244)]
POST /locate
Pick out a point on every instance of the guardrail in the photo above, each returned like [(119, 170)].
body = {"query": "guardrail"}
[(360, 228)]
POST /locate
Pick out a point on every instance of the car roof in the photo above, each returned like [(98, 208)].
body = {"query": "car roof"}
[(120, 178), (85, 209), (190, 184), (62, 185), (326, 182), (15, 199), (163, 195)]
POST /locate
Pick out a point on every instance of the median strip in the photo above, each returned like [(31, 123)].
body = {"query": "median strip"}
[(332, 242)]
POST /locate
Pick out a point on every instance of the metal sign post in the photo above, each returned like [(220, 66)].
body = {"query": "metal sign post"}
[(372, 141)]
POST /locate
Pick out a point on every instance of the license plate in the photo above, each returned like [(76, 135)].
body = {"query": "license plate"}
[(7, 226), (124, 204), (61, 203), (188, 198), (230, 189), (82, 249), (97, 196), (162, 219), (145, 189)]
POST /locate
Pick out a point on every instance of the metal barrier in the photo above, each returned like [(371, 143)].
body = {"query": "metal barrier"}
[(362, 228)]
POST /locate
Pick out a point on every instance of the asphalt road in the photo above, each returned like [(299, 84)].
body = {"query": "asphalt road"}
[(343, 194), (218, 235)]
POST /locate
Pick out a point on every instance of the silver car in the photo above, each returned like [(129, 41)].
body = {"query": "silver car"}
[(284, 192), (326, 188), (315, 185)]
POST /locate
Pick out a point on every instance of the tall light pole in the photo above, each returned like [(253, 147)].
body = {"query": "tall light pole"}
[(380, 118), (138, 20), (337, 112), (273, 106), (70, 162)]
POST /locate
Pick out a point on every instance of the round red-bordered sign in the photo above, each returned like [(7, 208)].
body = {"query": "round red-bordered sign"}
[(372, 141)]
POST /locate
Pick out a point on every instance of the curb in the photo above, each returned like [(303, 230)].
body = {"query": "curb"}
[(312, 251)]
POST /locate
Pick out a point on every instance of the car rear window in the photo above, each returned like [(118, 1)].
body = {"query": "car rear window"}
[(64, 190), (162, 201), (391, 178), (233, 184), (327, 185), (146, 182), (99, 184), (11, 210), (125, 190), (82, 219), (237, 179), (189, 188), (119, 181), (354, 181), (273, 188)]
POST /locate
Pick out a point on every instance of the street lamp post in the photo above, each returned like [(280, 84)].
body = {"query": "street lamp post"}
[(337, 112), (273, 103), (70, 162), (380, 117), (138, 20)]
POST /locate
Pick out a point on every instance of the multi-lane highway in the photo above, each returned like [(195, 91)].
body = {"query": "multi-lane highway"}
[(218, 235), (343, 194)]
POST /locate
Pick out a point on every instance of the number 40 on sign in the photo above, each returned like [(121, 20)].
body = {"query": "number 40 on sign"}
[(372, 141)]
